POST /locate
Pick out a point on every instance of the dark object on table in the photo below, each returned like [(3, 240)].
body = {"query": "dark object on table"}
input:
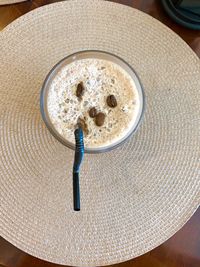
[(184, 12)]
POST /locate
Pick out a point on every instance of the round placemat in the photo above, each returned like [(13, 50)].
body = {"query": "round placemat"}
[(8, 2), (133, 198)]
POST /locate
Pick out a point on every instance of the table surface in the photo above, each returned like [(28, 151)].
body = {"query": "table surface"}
[(181, 250)]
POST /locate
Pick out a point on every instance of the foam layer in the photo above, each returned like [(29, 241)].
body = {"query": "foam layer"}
[(100, 79)]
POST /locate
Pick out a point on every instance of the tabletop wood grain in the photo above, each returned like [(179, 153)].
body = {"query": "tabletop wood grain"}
[(181, 250)]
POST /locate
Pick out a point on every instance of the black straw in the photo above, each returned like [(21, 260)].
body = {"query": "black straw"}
[(79, 153), (76, 191)]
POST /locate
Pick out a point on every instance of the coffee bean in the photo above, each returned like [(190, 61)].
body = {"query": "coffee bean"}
[(80, 90), (82, 123), (93, 112), (111, 101), (100, 118)]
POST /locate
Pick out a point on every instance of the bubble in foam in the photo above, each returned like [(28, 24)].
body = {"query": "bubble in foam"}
[(86, 103)]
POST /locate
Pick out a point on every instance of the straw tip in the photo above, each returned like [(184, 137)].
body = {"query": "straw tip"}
[(77, 209)]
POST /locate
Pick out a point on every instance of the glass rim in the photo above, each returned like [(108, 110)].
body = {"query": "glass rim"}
[(73, 57)]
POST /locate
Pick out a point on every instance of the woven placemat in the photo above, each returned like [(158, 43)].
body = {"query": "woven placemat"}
[(8, 2), (133, 198)]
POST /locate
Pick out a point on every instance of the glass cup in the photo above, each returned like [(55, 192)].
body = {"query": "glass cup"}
[(84, 55)]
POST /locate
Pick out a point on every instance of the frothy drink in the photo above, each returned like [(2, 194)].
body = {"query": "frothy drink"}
[(97, 94)]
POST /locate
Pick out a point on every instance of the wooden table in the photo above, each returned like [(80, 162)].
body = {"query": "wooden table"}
[(183, 249)]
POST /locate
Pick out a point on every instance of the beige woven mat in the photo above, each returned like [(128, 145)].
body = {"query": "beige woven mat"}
[(133, 198), (8, 2)]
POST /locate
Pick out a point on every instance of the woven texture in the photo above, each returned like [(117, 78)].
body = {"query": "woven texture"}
[(8, 2), (133, 198)]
